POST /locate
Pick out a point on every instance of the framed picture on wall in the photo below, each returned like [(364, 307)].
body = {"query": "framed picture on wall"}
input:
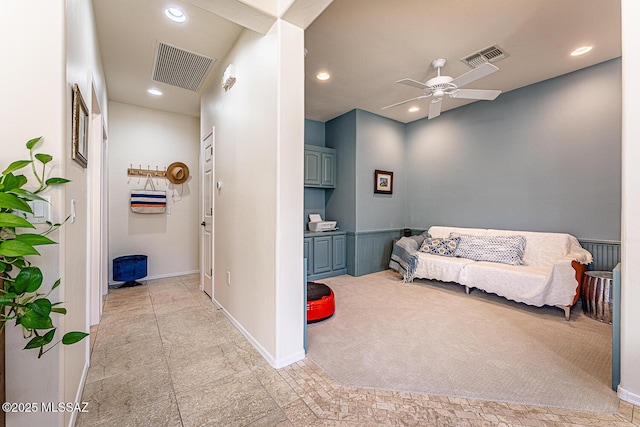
[(79, 128), (383, 182)]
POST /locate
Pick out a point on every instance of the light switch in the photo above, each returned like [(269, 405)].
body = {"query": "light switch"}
[(38, 209), (41, 211)]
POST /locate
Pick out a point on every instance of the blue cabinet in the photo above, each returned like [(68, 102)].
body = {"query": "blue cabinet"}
[(339, 252), (312, 168), (328, 169), (322, 254), (308, 254), (319, 167), (326, 254)]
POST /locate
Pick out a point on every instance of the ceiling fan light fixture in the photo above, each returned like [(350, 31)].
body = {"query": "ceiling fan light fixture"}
[(175, 14), (323, 76), (581, 50), (439, 86)]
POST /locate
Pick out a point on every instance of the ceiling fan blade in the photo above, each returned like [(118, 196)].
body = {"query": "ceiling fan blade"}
[(435, 107), (404, 102), (488, 95), (475, 74), (413, 83)]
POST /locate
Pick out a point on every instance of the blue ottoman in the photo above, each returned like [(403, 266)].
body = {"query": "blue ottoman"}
[(129, 268)]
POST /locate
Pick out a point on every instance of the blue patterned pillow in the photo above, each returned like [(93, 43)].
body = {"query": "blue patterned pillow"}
[(436, 246), (502, 249)]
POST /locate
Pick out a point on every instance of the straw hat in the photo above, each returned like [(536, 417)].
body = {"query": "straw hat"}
[(177, 172)]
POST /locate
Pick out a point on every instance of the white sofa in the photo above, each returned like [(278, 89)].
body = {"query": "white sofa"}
[(553, 264)]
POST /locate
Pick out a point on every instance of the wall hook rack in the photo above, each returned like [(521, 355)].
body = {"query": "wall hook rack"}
[(131, 171)]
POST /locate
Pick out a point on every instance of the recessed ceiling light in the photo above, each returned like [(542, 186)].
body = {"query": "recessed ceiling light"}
[(175, 14), (154, 92), (323, 75), (581, 50), (414, 109)]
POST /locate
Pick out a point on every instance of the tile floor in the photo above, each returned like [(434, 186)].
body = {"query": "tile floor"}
[(164, 355)]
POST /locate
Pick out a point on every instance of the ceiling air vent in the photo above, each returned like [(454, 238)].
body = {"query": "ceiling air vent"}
[(491, 54), (179, 67)]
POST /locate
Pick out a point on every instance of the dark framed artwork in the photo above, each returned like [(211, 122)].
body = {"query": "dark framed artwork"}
[(79, 128), (383, 182)]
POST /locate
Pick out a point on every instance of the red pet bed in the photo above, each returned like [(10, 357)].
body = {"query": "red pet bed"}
[(320, 302)]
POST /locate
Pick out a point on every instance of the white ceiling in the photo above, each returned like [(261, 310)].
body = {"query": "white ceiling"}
[(127, 34), (367, 45)]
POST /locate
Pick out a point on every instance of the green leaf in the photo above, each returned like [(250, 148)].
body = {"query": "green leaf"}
[(9, 201), (17, 165), (55, 285), (34, 239), (41, 306), (32, 142), (20, 263), (25, 194), (28, 280), (6, 298), (43, 158), (11, 182), (59, 310), (3, 267), (15, 248), (73, 337), (11, 220), (40, 341), (57, 181), (32, 320)]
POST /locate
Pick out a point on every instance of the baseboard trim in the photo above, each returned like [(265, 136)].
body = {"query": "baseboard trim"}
[(274, 362), (296, 357), (627, 396), (83, 380), (160, 276)]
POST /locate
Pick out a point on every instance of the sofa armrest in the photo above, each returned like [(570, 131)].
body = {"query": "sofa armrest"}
[(580, 269), (578, 253)]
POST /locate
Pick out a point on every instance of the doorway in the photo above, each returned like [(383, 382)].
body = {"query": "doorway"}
[(206, 214), (97, 195)]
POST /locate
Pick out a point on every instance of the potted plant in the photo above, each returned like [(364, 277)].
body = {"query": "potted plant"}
[(22, 299)]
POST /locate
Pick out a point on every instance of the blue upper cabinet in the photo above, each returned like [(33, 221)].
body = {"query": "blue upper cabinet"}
[(319, 167), (328, 170)]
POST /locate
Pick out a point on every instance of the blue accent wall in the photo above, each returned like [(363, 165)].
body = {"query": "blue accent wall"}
[(314, 133), (341, 202), (379, 145), (546, 157)]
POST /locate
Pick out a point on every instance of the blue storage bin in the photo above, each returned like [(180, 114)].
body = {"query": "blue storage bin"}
[(129, 268)]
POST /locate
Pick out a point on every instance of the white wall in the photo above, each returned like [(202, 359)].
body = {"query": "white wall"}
[(290, 276), (84, 67), (629, 389), (258, 159), (39, 103), (146, 137)]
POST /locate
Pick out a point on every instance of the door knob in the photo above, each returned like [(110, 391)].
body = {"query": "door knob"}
[(203, 223)]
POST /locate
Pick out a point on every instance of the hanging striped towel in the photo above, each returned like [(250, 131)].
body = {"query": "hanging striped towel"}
[(148, 201)]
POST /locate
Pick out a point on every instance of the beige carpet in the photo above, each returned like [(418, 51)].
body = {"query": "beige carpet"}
[(431, 337)]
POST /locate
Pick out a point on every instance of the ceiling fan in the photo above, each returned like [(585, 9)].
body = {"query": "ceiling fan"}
[(439, 86)]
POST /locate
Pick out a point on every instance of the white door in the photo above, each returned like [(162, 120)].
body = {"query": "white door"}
[(206, 232)]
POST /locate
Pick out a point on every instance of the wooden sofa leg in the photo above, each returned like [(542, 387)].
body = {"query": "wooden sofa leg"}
[(567, 312), (467, 290)]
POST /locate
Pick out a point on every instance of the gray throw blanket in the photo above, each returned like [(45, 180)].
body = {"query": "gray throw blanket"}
[(404, 257)]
